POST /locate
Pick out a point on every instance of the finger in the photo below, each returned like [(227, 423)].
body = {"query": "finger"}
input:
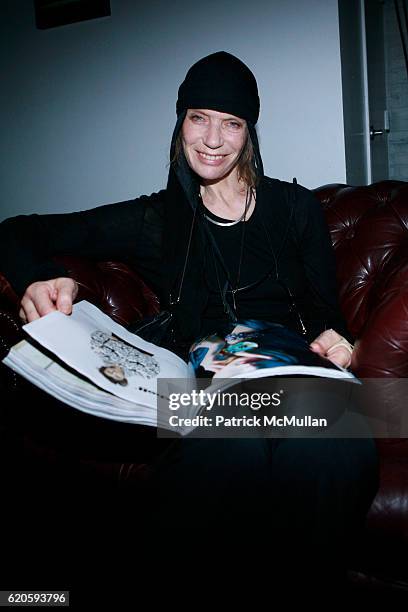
[(340, 356), (317, 348), (324, 341), (65, 296), (22, 315), (43, 301), (30, 312)]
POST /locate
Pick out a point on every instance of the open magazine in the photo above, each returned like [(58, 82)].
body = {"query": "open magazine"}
[(92, 363)]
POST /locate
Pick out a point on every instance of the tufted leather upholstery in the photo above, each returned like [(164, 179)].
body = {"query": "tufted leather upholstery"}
[(369, 228)]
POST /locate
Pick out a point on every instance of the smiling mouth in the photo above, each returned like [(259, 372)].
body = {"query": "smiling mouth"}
[(210, 157)]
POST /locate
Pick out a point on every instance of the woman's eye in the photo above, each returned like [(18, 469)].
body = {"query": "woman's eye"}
[(197, 118), (234, 125)]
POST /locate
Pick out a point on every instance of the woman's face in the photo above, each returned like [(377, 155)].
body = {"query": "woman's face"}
[(212, 142), (115, 372)]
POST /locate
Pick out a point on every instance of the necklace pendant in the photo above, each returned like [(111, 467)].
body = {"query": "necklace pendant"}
[(234, 303)]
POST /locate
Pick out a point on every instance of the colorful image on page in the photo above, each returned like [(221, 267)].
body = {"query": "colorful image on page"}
[(250, 346)]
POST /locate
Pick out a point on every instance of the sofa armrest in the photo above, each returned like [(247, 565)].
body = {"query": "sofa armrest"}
[(382, 349), (381, 353), (9, 300), (113, 287)]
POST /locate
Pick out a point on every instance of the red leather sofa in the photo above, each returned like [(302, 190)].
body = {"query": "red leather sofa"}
[(369, 228)]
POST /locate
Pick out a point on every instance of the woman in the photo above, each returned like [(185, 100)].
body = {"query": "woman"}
[(222, 242), (216, 173)]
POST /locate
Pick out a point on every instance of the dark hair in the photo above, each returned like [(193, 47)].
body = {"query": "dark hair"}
[(245, 164)]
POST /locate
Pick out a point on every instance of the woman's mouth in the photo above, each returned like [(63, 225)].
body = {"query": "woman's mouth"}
[(212, 160)]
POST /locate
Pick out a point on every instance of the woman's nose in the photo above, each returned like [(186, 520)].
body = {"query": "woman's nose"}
[(213, 137)]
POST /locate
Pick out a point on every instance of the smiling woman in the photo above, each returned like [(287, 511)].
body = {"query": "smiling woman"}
[(221, 244)]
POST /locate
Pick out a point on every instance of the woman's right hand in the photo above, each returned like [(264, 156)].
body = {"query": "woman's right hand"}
[(43, 297)]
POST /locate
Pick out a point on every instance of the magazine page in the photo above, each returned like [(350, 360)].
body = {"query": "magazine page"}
[(255, 349), (103, 351), (57, 380)]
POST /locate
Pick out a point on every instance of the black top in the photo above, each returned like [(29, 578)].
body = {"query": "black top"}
[(254, 287)]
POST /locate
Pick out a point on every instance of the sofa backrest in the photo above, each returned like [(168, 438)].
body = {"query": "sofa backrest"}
[(369, 229)]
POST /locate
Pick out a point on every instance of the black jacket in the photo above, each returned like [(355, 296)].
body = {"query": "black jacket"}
[(151, 233)]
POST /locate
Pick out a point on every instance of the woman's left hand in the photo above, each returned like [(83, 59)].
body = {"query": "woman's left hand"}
[(333, 346)]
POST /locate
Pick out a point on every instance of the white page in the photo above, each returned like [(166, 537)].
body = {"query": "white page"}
[(69, 337), (69, 388)]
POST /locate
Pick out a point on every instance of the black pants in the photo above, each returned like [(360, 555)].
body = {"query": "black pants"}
[(302, 501), (299, 502)]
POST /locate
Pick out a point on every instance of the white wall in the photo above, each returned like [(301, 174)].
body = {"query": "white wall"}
[(88, 109)]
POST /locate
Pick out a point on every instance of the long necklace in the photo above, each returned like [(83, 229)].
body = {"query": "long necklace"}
[(229, 286), (272, 273)]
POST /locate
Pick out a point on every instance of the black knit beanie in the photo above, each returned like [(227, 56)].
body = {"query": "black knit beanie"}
[(220, 82)]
